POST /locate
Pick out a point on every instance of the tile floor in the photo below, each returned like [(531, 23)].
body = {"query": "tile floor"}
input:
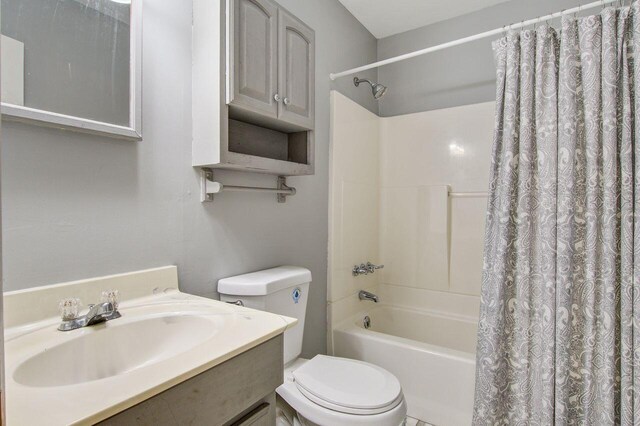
[(416, 422)]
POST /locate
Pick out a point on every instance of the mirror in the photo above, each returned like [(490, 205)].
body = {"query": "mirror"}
[(72, 64)]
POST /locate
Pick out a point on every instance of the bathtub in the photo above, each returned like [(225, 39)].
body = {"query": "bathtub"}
[(432, 354)]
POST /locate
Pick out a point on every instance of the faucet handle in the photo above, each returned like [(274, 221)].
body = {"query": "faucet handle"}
[(360, 270), (111, 296), (69, 308)]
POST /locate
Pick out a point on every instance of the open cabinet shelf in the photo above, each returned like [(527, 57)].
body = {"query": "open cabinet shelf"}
[(253, 88)]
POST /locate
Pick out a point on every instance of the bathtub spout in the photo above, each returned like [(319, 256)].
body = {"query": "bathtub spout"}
[(365, 295)]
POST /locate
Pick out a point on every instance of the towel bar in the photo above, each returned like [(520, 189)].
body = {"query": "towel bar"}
[(209, 187)]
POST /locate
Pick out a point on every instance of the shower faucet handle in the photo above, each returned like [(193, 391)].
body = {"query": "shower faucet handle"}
[(360, 270), (277, 97), (373, 267), (365, 269)]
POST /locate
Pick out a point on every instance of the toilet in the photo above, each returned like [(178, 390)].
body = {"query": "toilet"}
[(325, 390)]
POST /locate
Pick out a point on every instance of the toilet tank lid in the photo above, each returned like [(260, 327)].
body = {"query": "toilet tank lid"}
[(265, 282)]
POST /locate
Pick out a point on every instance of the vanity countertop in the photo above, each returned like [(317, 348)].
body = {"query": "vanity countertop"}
[(89, 374)]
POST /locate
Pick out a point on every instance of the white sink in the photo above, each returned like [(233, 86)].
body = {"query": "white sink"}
[(84, 376), (114, 348)]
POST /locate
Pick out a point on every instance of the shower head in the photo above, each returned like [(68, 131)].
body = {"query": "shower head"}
[(377, 89)]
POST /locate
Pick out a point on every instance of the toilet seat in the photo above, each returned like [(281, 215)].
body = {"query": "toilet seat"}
[(385, 408), (348, 386)]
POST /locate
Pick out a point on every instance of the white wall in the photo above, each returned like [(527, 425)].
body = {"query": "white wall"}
[(78, 206), (353, 204), (430, 242)]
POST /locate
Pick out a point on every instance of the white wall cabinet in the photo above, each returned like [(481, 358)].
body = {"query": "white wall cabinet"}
[(253, 88)]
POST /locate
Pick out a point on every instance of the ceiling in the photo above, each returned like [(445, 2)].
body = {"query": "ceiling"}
[(387, 17)]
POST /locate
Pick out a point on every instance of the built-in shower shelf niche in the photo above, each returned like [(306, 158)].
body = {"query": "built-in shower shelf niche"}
[(253, 88)]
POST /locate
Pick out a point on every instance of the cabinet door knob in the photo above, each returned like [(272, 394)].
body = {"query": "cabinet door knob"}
[(277, 98), (286, 101)]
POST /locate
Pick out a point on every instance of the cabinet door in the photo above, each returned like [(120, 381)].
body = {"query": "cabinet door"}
[(255, 52), (296, 71)]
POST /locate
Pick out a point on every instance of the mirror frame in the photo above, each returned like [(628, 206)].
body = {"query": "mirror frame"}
[(68, 122)]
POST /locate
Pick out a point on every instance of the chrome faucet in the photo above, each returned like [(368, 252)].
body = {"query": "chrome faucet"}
[(101, 312), (365, 295), (365, 269)]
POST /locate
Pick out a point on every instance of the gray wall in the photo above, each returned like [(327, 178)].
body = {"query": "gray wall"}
[(457, 76), (78, 206)]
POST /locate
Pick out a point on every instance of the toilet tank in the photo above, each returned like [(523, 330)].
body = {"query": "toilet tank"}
[(283, 290)]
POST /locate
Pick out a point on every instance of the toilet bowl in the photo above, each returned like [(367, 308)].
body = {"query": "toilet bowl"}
[(337, 391), (325, 390)]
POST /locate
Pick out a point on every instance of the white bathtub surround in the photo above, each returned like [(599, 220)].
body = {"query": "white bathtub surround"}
[(430, 243), (399, 171), (433, 356), (468, 216), (421, 153), (414, 233), (353, 205), (430, 300), (171, 336), (345, 308)]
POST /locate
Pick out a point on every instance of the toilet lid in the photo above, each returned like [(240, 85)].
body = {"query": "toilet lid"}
[(347, 385)]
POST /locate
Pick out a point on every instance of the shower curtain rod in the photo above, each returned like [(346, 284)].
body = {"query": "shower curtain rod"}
[(486, 34)]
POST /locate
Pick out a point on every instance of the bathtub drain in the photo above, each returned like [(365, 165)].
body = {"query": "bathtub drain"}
[(366, 322)]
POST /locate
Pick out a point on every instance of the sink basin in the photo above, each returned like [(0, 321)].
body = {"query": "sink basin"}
[(84, 376), (114, 348)]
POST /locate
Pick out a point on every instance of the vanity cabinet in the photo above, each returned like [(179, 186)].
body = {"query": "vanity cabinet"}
[(238, 392), (253, 88)]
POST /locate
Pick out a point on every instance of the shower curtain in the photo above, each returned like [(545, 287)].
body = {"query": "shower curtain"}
[(559, 331)]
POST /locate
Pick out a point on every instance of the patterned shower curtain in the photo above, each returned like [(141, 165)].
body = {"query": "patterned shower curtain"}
[(559, 331)]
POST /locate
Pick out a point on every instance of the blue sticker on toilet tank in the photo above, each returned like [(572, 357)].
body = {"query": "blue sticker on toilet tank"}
[(296, 295)]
